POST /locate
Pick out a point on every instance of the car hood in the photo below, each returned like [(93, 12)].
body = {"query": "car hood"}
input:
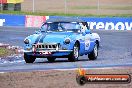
[(53, 37)]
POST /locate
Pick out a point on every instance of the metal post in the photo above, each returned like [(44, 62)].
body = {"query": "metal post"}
[(65, 6), (98, 4), (33, 8)]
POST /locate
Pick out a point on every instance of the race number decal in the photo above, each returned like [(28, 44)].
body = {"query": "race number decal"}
[(87, 42)]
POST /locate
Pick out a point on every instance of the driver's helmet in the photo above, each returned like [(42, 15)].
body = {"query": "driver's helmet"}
[(83, 26)]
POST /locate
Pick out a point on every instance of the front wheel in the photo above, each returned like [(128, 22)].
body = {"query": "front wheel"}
[(93, 55), (28, 58), (75, 54), (51, 59)]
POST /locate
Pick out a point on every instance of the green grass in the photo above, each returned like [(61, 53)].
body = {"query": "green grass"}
[(6, 52), (117, 7), (42, 13), (104, 7), (63, 14), (3, 52)]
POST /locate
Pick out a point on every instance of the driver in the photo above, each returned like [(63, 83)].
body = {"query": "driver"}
[(84, 26), (53, 27)]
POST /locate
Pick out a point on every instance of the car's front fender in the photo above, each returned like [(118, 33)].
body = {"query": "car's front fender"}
[(32, 39)]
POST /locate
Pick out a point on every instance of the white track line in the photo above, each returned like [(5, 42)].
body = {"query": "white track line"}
[(89, 68)]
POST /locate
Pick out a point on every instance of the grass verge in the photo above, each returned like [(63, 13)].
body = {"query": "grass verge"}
[(63, 14), (5, 52), (104, 7)]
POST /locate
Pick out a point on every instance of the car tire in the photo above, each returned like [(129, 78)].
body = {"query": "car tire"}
[(28, 58), (93, 55), (97, 42), (75, 54), (51, 59)]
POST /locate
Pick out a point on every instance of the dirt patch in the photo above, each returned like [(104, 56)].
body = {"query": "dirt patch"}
[(57, 79), (73, 6)]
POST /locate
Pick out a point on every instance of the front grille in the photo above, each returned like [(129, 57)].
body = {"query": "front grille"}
[(46, 46)]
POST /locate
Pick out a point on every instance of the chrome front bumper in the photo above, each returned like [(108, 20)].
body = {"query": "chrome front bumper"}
[(41, 47), (49, 51)]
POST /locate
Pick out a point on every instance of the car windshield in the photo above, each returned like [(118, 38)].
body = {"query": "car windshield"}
[(60, 27)]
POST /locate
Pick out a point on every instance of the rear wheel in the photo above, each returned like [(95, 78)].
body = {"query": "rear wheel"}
[(51, 59), (75, 54), (93, 55), (28, 58)]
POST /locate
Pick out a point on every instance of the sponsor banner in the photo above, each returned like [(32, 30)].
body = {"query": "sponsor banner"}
[(103, 78), (12, 20), (107, 23), (2, 21), (82, 78), (34, 21), (101, 23), (3, 1), (15, 1), (11, 1)]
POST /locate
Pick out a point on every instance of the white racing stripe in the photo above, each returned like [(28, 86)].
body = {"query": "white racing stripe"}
[(91, 68)]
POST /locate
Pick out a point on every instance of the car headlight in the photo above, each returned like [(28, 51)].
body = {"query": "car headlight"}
[(26, 41), (67, 41)]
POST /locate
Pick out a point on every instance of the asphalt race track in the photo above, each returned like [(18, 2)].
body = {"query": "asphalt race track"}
[(115, 50)]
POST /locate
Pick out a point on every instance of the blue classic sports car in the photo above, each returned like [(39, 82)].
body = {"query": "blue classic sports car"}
[(62, 38)]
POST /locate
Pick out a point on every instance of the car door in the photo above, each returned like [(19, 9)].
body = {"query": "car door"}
[(87, 39)]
